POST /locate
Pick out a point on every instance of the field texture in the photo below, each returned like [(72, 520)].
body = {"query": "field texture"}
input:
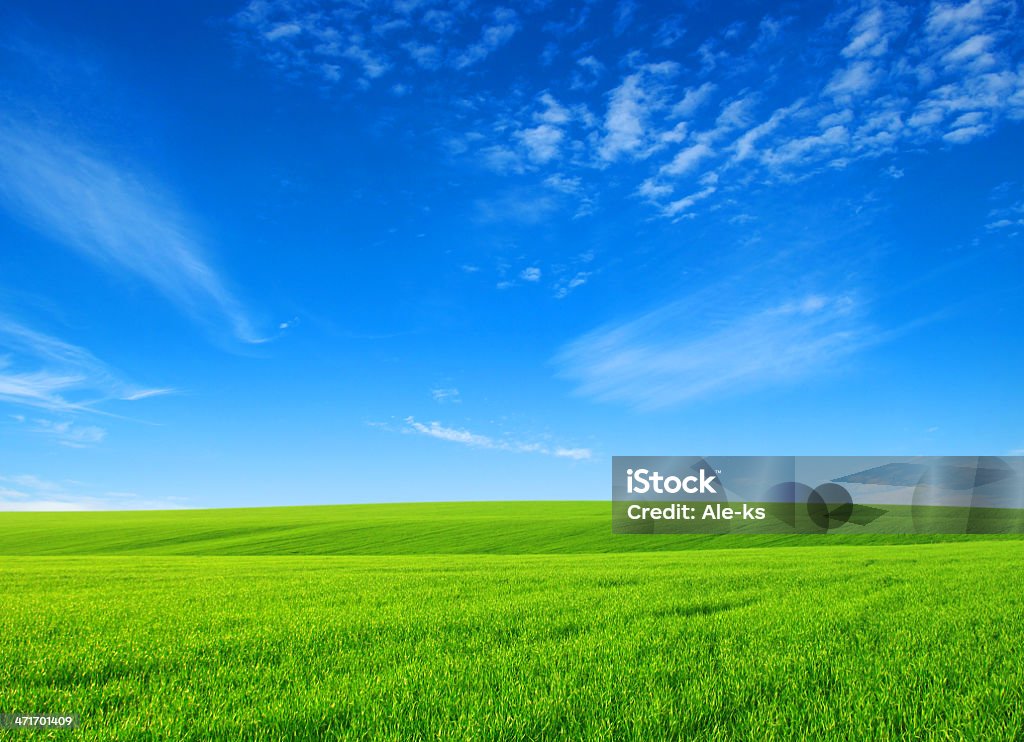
[(915, 641), (418, 528)]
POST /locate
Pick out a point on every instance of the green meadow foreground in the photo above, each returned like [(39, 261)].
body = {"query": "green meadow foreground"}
[(790, 639)]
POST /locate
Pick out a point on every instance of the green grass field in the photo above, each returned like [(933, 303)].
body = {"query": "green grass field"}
[(501, 621), (421, 528)]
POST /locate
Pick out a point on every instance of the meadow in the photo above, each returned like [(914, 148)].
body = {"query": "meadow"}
[(539, 527), (570, 638)]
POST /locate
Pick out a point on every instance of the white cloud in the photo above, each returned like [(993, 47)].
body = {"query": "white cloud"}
[(874, 31), (630, 105), (669, 31), (815, 146), (494, 36), (836, 118), (682, 205), (935, 64), (880, 130), (576, 454), (439, 21), (38, 388), (687, 159), (113, 218), (866, 35), (624, 122), (653, 190), (564, 184), (856, 79), (965, 134), (531, 146), (676, 134), (969, 119), (315, 39), (736, 114), (427, 56), (502, 159), (591, 63), (624, 13), (586, 77), (450, 394), (373, 65), (282, 31), (554, 112), (1009, 214), (1004, 223), (692, 100), (563, 288), (541, 142), (525, 206), (971, 57), (476, 440), (530, 274), (944, 18), (710, 55), (672, 355), (389, 26), (744, 146), (37, 370), (952, 86), (147, 393), (70, 434), (436, 430), (991, 93), (969, 50)]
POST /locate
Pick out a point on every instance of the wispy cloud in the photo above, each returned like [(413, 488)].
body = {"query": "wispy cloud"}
[(542, 130), (653, 361), (1008, 216), (631, 107), (477, 440), (890, 78), (37, 370), (495, 34), (692, 100), (625, 10), (522, 205), (108, 215), (443, 395), (945, 81), (70, 434), (314, 40), (146, 394), (26, 492), (373, 66), (564, 287), (684, 204)]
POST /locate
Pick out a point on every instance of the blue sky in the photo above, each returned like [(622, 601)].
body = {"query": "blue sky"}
[(313, 252)]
